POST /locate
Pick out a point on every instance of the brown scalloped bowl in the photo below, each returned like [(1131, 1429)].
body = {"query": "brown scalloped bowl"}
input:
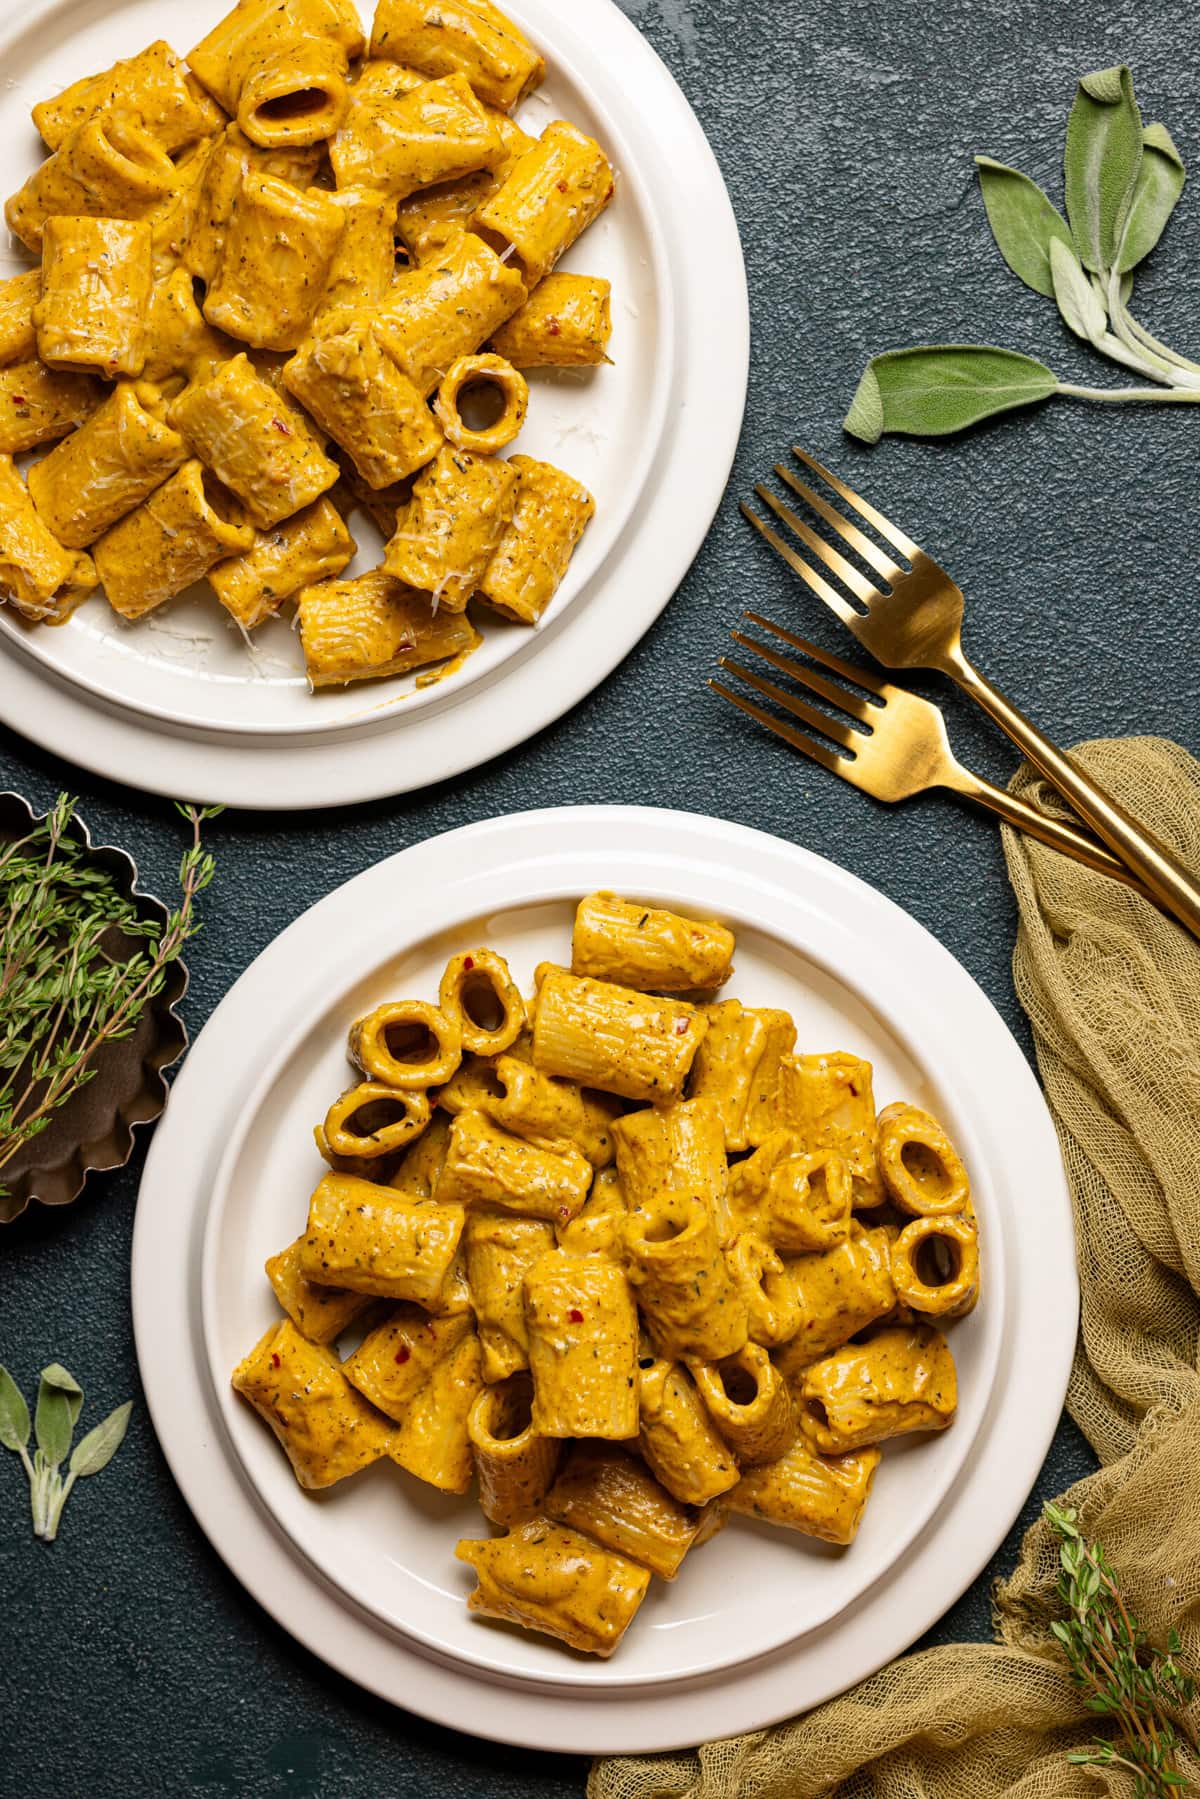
[(94, 1129)]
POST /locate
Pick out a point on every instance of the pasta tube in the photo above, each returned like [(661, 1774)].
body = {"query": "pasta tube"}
[(534, 1105), (676, 1435), (477, 990), (684, 1287), (447, 308), (611, 1497), (447, 534), (428, 219), (275, 262), (759, 1276), (921, 1168), (169, 541), (902, 1380), (112, 463), (799, 1203), (551, 513), (366, 404), (261, 448), (552, 194), (373, 1240), (310, 546), (319, 1313), (460, 37), (613, 1038), (583, 1343), (565, 323), (436, 133), (406, 1043), (179, 339), (18, 334), (839, 1291), (231, 158), (44, 581), (327, 1428), (107, 168), (500, 1251), (514, 1465), (473, 378), (433, 1440), (421, 1165), (598, 1228), (364, 261), (394, 1361), (372, 626), (370, 1121), (281, 68), (820, 1496), (39, 405), (749, 1403), (155, 85), (935, 1266), (828, 1101), (737, 1066), (680, 1145), (648, 948), (551, 1579), (489, 1167)]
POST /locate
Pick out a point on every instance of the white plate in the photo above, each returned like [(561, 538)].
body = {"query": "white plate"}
[(178, 702), (856, 970)]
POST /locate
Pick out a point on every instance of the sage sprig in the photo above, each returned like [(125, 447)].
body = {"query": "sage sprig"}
[(59, 1401), (1122, 181), (1123, 1677)]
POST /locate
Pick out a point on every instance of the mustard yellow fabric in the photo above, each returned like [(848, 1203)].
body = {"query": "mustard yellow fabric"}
[(1112, 988)]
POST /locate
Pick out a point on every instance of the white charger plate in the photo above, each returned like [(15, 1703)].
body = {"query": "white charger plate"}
[(179, 703), (361, 1582)]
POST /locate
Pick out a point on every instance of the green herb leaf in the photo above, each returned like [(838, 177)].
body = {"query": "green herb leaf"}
[(1024, 222), (14, 1413), (100, 1445), (1104, 152), (935, 389), (59, 1399), (1160, 180), (1081, 307)]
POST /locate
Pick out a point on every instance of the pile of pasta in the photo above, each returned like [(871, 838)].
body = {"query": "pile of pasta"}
[(285, 278), (640, 1265)]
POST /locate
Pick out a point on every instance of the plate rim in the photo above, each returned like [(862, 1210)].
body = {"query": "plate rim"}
[(973, 1520), (576, 649)]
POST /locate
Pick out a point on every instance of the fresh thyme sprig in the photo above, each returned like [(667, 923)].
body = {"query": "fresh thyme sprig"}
[(1122, 181), (68, 984), (58, 1404), (1122, 1676)]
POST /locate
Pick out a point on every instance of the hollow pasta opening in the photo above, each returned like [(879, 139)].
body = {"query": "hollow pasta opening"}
[(481, 1004), (512, 1413), (938, 1260), (926, 1169), (413, 1043), (663, 1227), (741, 1388), (374, 1116), (481, 402), (815, 1409), (220, 502), (303, 103)]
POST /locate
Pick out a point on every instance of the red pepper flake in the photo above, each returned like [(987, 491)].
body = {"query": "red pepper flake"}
[(575, 1316), (275, 1363), (564, 1212), (403, 1354), (553, 328), (561, 186), (468, 962), (681, 1025), (283, 430), (18, 400)]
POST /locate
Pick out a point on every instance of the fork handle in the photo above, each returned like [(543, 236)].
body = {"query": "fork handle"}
[(1054, 831), (1153, 864)]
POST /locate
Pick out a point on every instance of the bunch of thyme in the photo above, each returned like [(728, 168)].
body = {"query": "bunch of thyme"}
[(1123, 1677), (68, 982)]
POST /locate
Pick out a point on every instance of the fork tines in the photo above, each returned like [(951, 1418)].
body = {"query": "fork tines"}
[(859, 708)]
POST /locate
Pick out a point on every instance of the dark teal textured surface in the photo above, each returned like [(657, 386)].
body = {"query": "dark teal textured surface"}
[(130, 1662)]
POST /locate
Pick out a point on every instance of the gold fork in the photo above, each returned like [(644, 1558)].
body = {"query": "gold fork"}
[(904, 750), (915, 621)]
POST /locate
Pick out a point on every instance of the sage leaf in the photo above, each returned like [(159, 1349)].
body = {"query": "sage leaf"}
[(1081, 307), (1160, 180), (1024, 222), (98, 1448), (1103, 156), (59, 1399), (14, 1413), (935, 389)]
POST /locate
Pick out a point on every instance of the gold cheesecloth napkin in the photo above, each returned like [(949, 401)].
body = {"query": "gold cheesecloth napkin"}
[(1112, 989)]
